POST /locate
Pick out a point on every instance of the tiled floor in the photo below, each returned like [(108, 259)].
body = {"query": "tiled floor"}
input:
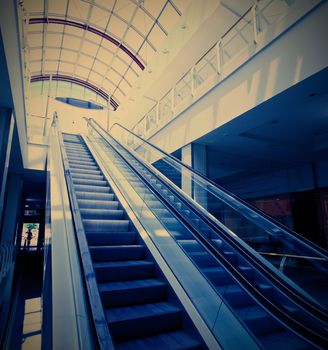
[(26, 333), (31, 336)]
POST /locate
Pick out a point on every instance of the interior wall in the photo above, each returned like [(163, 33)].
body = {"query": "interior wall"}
[(297, 54)]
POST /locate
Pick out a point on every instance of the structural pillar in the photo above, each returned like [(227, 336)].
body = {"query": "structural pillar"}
[(6, 134), (194, 155), (186, 158)]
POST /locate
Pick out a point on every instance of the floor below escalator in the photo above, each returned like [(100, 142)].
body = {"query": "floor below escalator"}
[(26, 331)]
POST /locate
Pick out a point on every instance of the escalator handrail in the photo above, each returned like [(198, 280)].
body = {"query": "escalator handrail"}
[(104, 340), (252, 256), (272, 308), (295, 235)]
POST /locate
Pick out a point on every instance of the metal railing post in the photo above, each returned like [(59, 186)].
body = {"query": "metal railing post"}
[(218, 51), (255, 22)]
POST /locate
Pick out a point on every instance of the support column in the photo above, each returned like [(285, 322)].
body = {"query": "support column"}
[(186, 157), (194, 155), (199, 160), (12, 207), (6, 134)]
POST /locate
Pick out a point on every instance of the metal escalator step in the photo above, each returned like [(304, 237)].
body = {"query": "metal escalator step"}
[(190, 245), (218, 242), (94, 196), (124, 270), (78, 154), (143, 320), (106, 225), (258, 320), (202, 258), (273, 341), (162, 213), (84, 167), (217, 275), (83, 176), (97, 204), (164, 341), (235, 295), (113, 214), (111, 238), (74, 172), (81, 162), (93, 189), (90, 182), (85, 158), (70, 149), (132, 292), (117, 252)]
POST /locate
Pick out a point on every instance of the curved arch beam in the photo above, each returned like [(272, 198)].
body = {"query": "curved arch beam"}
[(91, 30), (67, 78)]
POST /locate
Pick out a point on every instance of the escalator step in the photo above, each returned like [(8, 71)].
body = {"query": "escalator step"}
[(235, 295), (202, 259), (94, 196), (91, 177), (132, 292), (88, 182), (106, 225), (217, 275), (164, 341), (77, 172), (143, 320), (84, 167), (93, 189), (117, 252), (84, 158), (101, 214), (98, 204), (112, 238), (90, 162), (124, 270)]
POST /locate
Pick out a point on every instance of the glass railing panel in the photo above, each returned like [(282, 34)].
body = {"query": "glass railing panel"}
[(270, 11), (217, 275), (239, 37), (258, 232), (206, 67), (182, 89)]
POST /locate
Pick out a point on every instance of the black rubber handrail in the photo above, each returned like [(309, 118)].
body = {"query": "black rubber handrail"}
[(273, 309)]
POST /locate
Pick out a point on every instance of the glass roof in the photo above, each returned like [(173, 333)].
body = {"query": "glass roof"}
[(102, 44)]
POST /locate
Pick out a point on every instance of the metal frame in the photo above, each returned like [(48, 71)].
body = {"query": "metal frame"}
[(86, 23)]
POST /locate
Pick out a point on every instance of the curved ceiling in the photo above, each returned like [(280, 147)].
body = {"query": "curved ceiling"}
[(100, 43)]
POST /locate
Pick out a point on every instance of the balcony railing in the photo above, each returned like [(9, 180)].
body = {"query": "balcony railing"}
[(207, 71)]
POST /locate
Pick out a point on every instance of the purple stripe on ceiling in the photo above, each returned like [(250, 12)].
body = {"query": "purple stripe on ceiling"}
[(90, 29), (62, 77)]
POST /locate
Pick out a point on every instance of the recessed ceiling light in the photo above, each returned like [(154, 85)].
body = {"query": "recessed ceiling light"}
[(165, 51), (183, 26), (312, 94)]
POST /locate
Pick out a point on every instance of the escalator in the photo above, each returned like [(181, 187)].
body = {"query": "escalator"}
[(238, 296), (223, 258), (141, 310)]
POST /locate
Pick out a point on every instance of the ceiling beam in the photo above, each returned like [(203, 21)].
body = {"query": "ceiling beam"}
[(74, 80), (91, 30)]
